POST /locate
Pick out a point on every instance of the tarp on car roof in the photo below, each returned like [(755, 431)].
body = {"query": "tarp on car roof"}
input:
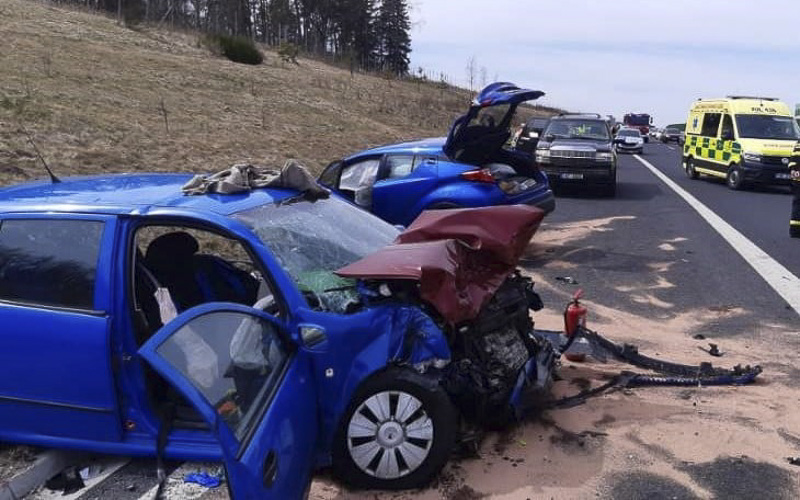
[(244, 177), (460, 257)]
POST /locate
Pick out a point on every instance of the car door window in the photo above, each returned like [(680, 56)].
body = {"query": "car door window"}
[(727, 126), (711, 124), (235, 360), (399, 166), (359, 178), (49, 262)]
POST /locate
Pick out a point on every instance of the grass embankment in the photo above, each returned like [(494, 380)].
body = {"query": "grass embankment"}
[(100, 97)]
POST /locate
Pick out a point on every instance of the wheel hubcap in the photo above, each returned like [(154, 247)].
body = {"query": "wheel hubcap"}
[(389, 435)]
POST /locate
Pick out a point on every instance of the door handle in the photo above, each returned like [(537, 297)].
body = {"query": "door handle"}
[(270, 470)]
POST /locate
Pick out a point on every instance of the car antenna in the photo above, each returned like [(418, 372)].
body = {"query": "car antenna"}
[(39, 154)]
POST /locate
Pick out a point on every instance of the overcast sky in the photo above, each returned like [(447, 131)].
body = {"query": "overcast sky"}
[(615, 56)]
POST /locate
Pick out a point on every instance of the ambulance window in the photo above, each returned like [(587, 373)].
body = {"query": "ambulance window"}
[(711, 124), (727, 126)]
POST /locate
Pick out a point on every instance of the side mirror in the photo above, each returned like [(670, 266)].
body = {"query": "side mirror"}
[(312, 336), (727, 136), (549, 138)]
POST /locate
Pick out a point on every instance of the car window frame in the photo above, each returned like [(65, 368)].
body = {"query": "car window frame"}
[(383, 169), (102, 303), (284, 311)]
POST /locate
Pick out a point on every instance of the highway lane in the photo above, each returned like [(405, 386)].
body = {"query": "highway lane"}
[(650, 254), (760, 213)]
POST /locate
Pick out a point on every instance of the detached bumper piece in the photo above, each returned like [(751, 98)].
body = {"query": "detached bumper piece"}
[(667, 373)]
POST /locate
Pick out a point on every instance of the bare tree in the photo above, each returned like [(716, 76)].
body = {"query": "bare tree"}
[(472, 66), (484, 76)]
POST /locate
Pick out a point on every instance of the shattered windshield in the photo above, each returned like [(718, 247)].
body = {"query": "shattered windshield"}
[(767, 127), (311, 240)]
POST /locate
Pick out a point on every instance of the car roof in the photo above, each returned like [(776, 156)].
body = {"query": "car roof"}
[(127, 193), (430, 146)]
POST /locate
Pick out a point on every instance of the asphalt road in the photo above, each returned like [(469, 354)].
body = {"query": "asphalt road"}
[(652, 236)]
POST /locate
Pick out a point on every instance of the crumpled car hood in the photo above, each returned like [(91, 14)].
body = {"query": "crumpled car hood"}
[(460, 257)]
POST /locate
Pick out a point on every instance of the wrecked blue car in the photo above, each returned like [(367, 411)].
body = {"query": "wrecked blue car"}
[(272, 331), (469, 168)]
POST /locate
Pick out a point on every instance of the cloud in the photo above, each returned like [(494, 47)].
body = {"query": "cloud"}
[(614, 57)]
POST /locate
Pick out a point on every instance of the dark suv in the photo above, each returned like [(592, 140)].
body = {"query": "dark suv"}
[(578, 149)]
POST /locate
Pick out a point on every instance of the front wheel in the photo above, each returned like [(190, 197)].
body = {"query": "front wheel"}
[(397, 433), (735, 179), (690, 171)]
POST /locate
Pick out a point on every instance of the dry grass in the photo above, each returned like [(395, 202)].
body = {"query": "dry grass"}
[(97, 97)]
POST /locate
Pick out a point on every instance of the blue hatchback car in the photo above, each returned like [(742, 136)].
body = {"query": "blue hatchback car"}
[(468, 168), (138, 320)]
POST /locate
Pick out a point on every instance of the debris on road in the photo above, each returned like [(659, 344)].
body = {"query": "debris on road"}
[(203, 479), (713, 350), (569, 280)]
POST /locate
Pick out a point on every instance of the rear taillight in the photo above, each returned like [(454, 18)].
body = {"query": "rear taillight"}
[(482, 175)]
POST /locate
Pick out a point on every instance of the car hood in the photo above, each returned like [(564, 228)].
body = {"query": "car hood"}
[(769, 147), (575, 145), (471, 140), (459, 257)]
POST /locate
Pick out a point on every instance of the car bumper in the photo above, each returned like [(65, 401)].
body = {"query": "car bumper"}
[(594, 175), (624, 148), (760, 173)]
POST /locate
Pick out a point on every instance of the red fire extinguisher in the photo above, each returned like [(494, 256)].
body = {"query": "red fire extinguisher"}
[(574, 316)]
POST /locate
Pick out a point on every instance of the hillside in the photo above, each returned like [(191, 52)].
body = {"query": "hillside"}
[(98, 97)]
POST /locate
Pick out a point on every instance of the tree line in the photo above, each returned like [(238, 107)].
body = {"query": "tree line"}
[(370, 34)]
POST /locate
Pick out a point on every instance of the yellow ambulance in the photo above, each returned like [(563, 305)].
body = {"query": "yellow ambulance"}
[(744, 140)]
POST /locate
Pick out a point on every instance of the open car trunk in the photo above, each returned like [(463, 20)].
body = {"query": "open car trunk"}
[(478, 136)]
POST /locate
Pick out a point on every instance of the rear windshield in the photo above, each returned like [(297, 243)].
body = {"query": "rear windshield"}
[(579, 129), (767, 127), (629, 133)]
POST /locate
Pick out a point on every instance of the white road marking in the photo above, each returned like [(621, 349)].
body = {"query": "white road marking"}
[(109, 464), (670, 148), (778, 277)]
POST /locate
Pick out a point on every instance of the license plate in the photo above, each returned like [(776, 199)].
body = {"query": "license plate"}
[(782, 176), (572, 176)]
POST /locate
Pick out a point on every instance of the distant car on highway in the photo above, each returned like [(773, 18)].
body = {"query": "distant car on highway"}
[(530, 134), (578, 149), (671, 135), (469, 168), (629, 140)]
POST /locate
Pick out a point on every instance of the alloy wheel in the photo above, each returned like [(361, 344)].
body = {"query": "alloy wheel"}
[(389, 435)]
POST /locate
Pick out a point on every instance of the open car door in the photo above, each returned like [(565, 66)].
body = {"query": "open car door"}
[(254, 388)]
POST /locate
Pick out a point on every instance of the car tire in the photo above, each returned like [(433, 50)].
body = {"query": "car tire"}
[(690, 171), (365, 438), (735, 179)]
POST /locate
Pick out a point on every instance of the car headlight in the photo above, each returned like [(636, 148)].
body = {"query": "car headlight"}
[(542, 156), (752, 157), (604, 156)]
